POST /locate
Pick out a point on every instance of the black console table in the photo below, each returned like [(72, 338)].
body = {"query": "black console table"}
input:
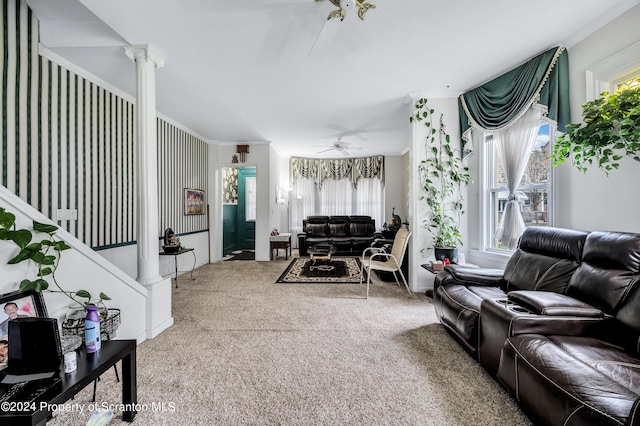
[(175, 255), (90, 367)]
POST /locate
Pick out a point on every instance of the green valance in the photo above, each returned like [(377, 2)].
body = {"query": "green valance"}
[(347, 168), (495, 105)]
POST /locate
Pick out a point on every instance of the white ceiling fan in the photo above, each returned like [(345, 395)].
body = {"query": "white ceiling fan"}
[(348, 5), (326, 38), (332, 24), (342, 147)]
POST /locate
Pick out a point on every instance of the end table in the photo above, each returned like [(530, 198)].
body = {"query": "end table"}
[(280, 241)]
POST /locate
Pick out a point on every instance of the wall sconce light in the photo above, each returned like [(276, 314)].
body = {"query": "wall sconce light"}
[(242, 150)]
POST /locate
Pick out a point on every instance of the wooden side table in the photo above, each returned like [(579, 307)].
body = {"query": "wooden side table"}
[(280, 241)]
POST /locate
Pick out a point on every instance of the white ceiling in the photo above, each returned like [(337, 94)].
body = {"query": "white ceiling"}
[(244, 71)]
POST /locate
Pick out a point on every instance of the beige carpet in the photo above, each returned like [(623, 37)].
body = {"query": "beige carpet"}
[(246, 351)]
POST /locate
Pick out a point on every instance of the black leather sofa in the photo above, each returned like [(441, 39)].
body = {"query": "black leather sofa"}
[(350, 234), (559, 328)]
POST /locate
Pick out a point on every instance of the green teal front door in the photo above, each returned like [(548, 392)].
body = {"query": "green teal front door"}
[(229, 228), (247, 208)]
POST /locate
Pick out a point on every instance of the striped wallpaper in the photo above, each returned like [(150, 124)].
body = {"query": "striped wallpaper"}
[(182, 163), (68, 143)]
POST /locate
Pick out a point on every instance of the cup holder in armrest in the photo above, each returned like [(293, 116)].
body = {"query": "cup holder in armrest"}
[(520, 309), (510, 305)]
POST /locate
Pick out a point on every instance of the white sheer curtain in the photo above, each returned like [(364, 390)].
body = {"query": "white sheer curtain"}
[(336, 197), (370, 200), (302, 203), (514, 145)]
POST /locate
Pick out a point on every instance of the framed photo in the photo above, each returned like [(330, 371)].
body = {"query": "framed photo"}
[(193, 201), (17, 304)]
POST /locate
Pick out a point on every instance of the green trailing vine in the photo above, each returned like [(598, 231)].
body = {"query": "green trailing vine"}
[(609, 132), (45, 253), (442, 175)]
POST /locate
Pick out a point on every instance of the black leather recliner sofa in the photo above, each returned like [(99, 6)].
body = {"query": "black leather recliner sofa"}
[(350, 234), (559, 328)]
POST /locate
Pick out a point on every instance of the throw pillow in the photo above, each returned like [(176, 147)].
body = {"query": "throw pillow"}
[(338, 229), (362, 230), (316, 229)]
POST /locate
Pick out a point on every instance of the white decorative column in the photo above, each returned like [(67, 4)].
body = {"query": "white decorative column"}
[(159, 289), (147, 163)]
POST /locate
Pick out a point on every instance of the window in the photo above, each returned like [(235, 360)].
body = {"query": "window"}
[(533, 192), (337, 197), (250, 199), (634, 83)]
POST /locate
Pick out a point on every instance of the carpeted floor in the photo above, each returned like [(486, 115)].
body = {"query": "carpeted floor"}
[(246, 351), (339, 270)]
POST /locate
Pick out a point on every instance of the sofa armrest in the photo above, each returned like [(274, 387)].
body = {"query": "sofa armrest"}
[(468, 275), (302, 244), (505, 317), (553, 304)]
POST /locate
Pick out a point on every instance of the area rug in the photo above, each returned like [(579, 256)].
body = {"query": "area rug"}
[(241, 255), (341, 270)]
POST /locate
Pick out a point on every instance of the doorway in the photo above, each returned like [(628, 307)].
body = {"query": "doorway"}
[(238, 209)]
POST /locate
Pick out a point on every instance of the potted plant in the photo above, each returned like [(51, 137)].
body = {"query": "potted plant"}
[(389, 229), (610, 131), (442, 175), (45, 254)]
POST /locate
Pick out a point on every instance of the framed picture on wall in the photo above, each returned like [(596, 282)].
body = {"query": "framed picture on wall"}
[(193, 201), (17, 304)]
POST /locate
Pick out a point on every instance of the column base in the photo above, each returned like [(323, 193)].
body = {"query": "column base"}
[(158, 307)]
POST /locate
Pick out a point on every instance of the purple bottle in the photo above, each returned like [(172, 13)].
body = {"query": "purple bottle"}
[(92, 329)]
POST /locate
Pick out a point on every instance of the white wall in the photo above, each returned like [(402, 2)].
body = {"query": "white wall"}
[(592, 201), (406, 176), (395, 172), (279, 175)]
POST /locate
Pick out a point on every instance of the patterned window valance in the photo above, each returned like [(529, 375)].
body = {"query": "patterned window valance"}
[(495, 105), (336, 169)]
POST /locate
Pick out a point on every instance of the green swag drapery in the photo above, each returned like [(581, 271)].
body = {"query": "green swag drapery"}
[(495, 105), (347, 168)]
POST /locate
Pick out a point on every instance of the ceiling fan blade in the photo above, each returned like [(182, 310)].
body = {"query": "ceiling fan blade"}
[(391, 21), (326, 150), (325, 36), (343, 151)]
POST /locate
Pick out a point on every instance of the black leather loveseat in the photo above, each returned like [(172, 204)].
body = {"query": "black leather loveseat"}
[(559, 328), (350, 234)]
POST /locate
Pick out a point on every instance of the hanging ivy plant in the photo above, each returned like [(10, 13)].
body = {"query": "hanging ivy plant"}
[(609, 132), (442, 176)]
